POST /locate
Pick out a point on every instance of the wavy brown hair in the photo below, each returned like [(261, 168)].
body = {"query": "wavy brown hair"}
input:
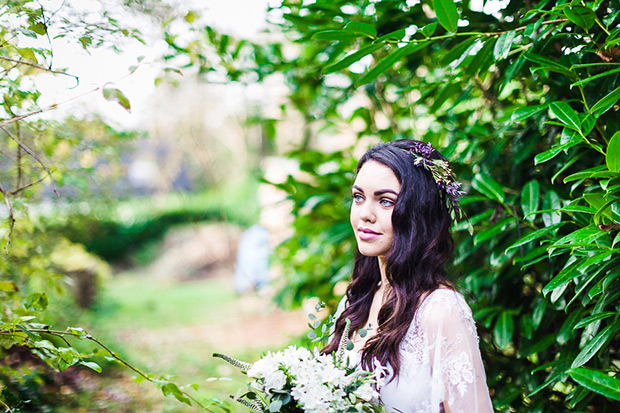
[(415, 263)]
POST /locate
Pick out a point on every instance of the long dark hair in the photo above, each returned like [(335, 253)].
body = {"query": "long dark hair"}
[(415, 263)]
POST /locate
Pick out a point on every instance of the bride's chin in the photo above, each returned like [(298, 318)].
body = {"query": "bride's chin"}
[(367, 252)]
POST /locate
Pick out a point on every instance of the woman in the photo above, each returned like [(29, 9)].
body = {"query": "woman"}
[(417, 324)]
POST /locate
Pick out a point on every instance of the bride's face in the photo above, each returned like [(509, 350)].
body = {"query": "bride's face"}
[(375, 192)]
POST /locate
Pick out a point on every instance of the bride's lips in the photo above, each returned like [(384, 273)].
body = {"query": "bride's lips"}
[(366, 234)]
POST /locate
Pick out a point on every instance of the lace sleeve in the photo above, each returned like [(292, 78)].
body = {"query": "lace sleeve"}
[(458, 378)]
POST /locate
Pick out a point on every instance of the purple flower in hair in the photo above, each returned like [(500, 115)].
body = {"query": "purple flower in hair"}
[(440, 170), (425, 150), (452, 189)]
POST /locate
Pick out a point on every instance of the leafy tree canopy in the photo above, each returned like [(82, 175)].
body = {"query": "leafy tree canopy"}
[(523, 100)]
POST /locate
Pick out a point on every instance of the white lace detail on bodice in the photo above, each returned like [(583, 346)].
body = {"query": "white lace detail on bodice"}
[(441, 368), (441, 348)]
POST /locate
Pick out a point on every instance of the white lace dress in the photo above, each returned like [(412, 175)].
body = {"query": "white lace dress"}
[(441, 368)]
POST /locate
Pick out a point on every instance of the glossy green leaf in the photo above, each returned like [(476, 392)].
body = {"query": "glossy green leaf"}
[(584, 174), (503, 330), (554, 151), (387, 62), (597, 381), (555, 374), (612, 157), (605, 103), (352, 58), (566, 331), (587, 123), (494, 230), (600, 204), (548, 64), (36, 302), (530, 199), (541, 344), (361, 28), (503, 45), (534, 236), (606, 210), (568, 273), (171, 389), (334, 35), (481, 62), (581, 236), (447, 14), (513, 69), (458, 51), (565, 114), (91, 365), (531, 257), (557, 293), (523, 113), (593, 270), (27, 53), (488, 187), (594, 345), (446, 92), (395, 36), (594, 77), (115, 95), (593, 318), (38, 28), (579, 208), (552, 201), (429, 29), (582, 16)]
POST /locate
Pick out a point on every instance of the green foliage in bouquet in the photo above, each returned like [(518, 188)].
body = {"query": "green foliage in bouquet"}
[(522, 98)]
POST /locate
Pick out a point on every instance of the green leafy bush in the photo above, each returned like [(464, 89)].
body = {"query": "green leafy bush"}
[(524, 101), (116, 232), (38, 156)]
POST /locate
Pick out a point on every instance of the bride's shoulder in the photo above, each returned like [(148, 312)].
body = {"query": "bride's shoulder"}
[(442, 305)]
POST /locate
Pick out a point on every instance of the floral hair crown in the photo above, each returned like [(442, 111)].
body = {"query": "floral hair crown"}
[(442, 174)]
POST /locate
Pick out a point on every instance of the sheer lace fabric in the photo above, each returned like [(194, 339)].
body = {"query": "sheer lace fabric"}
[(441, 367)]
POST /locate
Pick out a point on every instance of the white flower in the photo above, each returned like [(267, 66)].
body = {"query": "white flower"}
[(275, 381), (263, 367), (315, 382), (366, 392), (380, 373)]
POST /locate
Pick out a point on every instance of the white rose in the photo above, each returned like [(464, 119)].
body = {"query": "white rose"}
[(275, 380)]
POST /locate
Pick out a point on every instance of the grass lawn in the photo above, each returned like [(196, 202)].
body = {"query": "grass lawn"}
[(173, 328)]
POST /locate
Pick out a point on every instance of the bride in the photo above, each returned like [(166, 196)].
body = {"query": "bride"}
[(417, 324)]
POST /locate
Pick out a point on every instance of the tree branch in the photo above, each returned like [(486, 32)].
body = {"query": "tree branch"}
[(23, 188), (38, 66), (61, 334), (11, 218), (29, 152)]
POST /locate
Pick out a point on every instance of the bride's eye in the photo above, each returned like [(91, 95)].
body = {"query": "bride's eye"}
[(357, 198), (386, 202)]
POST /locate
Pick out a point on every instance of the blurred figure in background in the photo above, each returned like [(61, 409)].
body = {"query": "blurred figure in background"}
[(252, 267)]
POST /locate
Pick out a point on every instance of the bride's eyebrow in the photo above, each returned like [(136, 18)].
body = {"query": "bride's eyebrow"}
[(377, 193), (385, 191)]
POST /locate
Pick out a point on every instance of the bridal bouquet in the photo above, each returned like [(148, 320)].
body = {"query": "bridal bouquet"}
[(299, 380)]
